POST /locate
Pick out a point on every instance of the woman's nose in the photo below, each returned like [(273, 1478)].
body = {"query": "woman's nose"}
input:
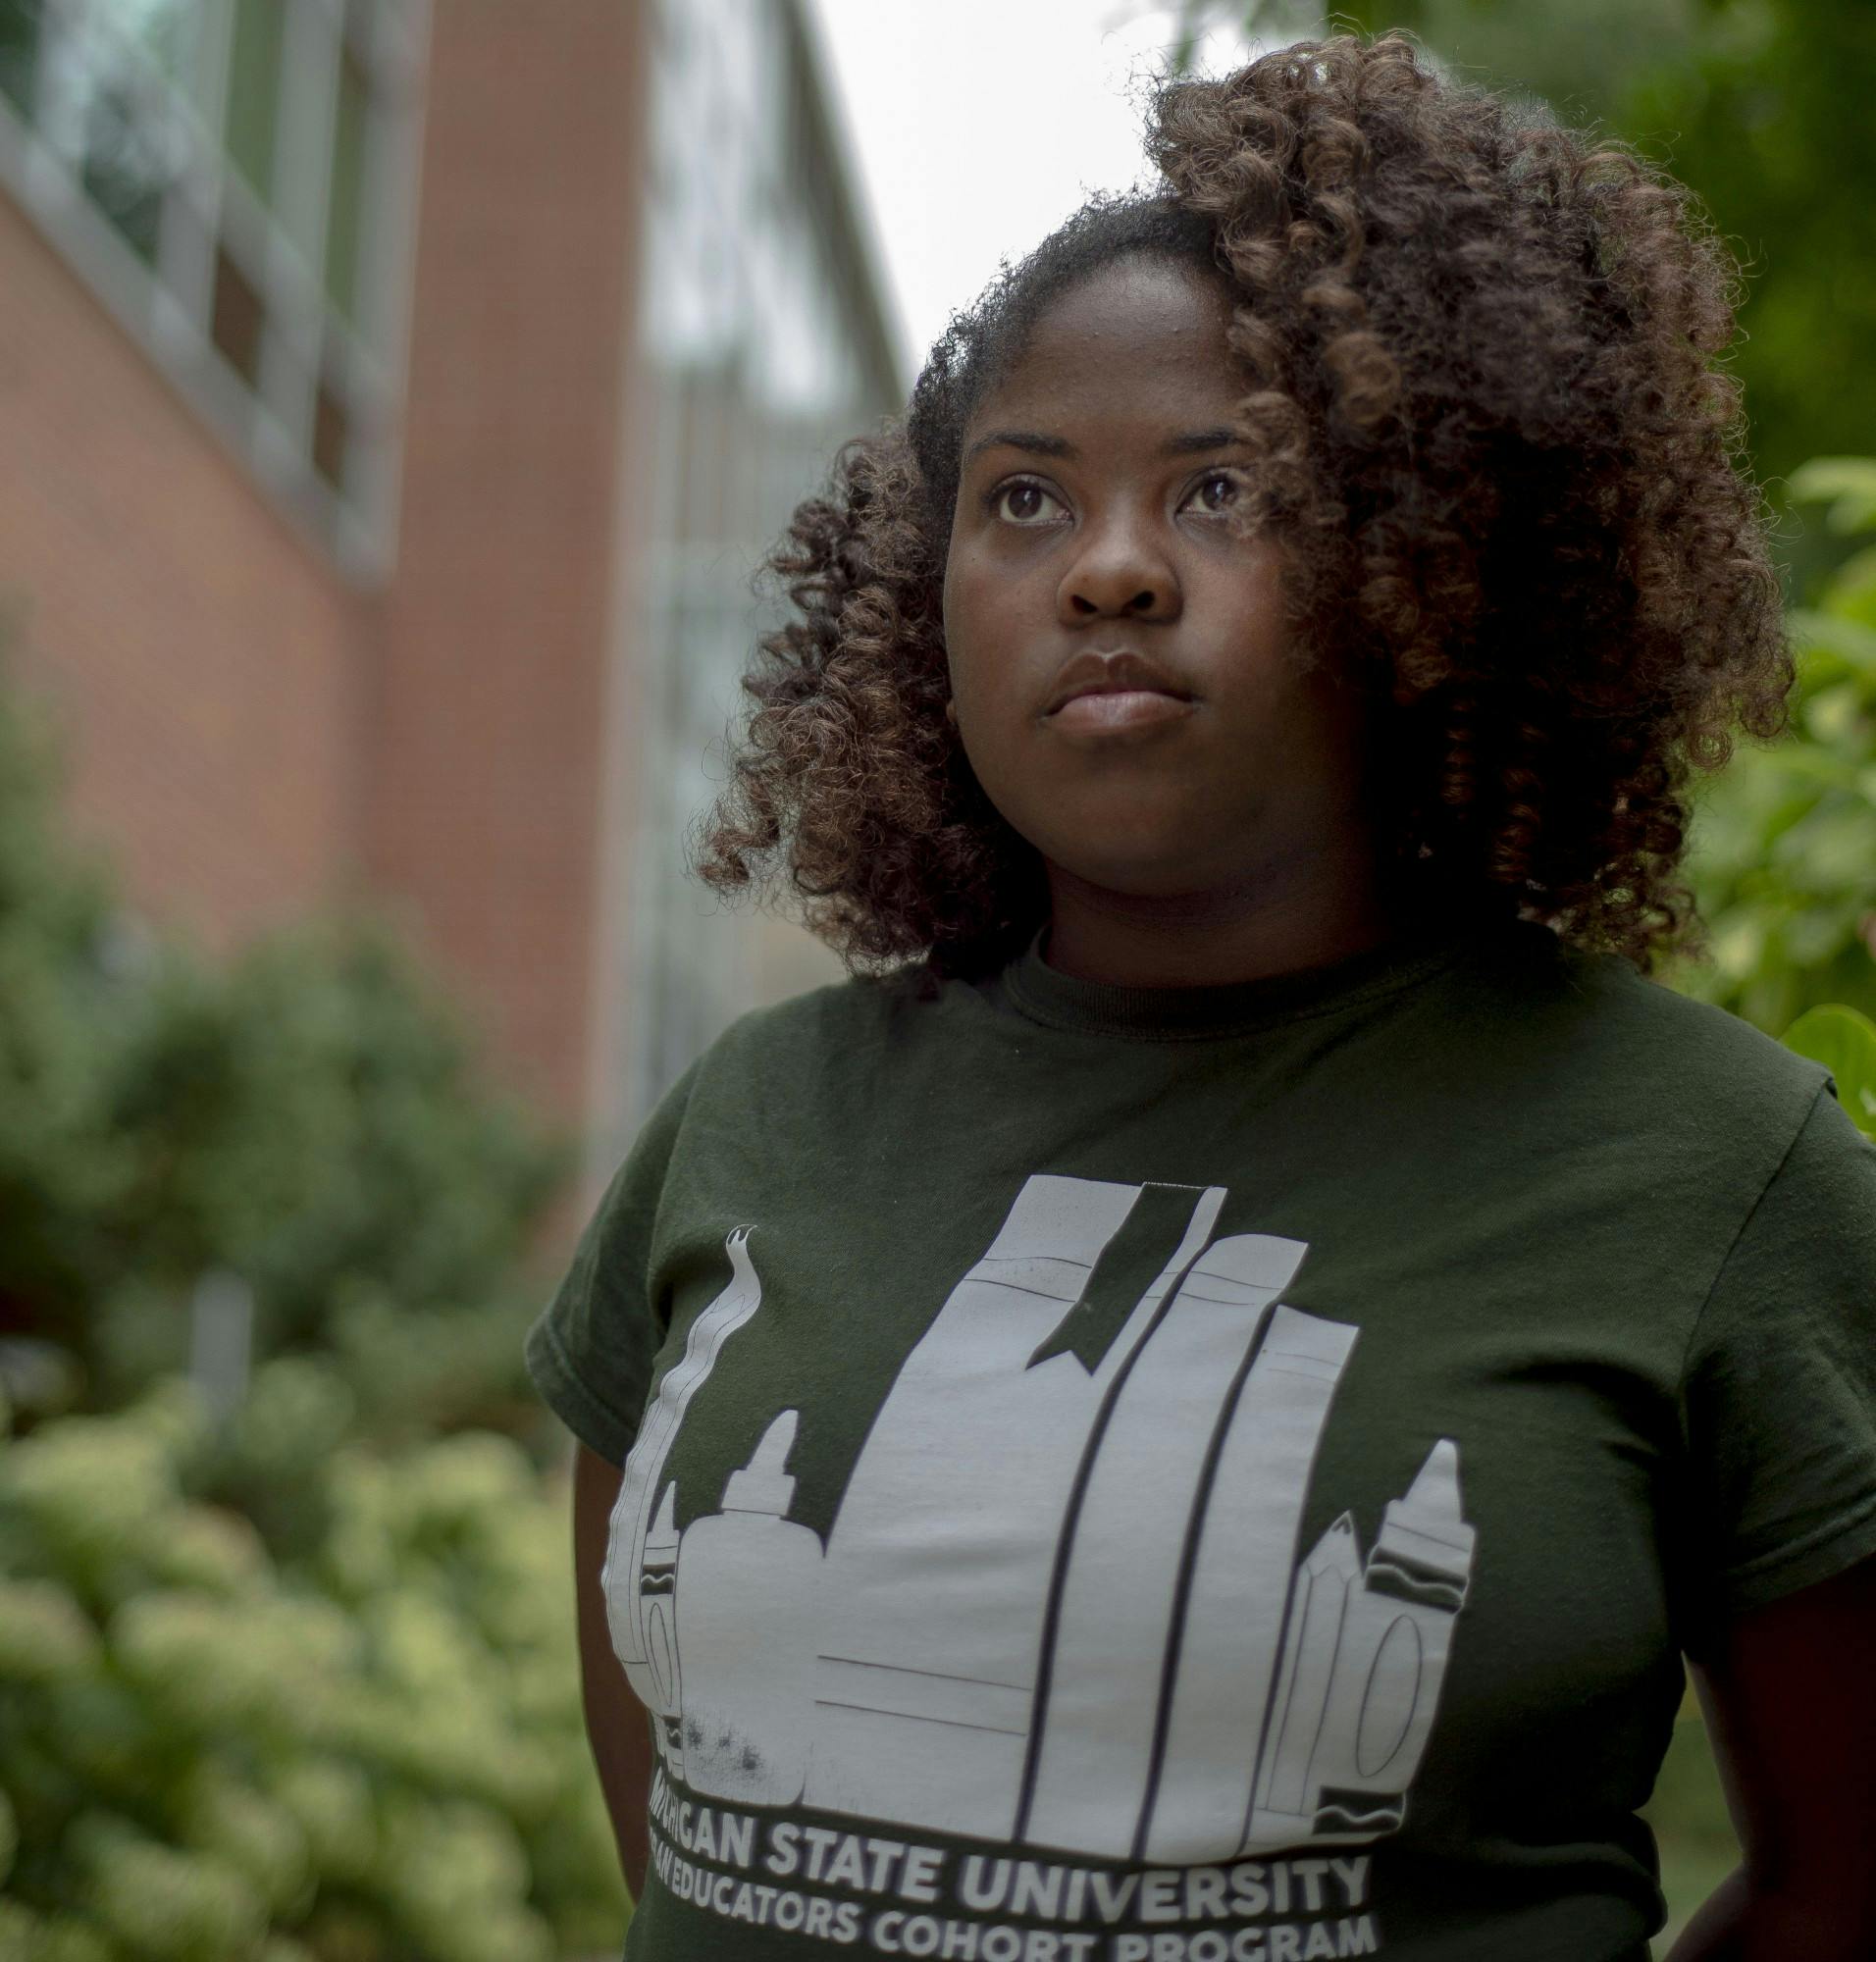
[(1118, 572)]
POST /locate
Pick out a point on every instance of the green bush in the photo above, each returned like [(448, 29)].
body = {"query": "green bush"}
[(1785, 837), (374, 1752), (308, 1117)]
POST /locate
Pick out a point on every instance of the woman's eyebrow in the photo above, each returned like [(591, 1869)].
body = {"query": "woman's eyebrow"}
[(1186, 443), (1197, 439), (1029, 440)]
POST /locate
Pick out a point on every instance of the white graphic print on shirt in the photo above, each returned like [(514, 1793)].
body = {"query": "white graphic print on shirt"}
[(1061, 1604)]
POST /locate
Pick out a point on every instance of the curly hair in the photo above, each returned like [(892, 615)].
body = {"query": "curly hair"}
[(1505, 469)]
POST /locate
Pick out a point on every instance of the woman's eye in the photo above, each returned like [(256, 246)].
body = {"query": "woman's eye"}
[(1208, 485), (1022, 502)]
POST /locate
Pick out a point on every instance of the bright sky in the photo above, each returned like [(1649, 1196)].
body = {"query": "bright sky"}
[(977, 126)]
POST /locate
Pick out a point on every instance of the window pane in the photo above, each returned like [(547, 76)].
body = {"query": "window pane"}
[(239, 318), (123, 167), (18, 49), (253, 90), (167, 27), (346, 209)]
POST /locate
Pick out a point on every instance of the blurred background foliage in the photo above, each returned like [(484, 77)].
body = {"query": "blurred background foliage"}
[(294, 1674), (1784, 847), (309, 1118), (370, 1749)]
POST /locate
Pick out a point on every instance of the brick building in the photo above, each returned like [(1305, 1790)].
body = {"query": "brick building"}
[(395, 398)]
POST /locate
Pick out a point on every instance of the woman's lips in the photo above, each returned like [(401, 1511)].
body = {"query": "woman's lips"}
[(1115, 712)]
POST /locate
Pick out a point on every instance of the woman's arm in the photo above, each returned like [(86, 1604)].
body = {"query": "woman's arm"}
[(617, 1725), (1790, 1696)]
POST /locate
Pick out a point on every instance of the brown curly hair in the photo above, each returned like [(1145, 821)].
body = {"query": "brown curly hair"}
[(1506, 471)]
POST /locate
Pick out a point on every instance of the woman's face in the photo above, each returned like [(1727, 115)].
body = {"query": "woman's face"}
[(1093, 514)]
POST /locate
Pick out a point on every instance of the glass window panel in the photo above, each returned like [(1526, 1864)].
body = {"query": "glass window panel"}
[(167, 27), (19, 50), (124, 171), (239, 318), (253, 90), (331, 433), (345, 210)]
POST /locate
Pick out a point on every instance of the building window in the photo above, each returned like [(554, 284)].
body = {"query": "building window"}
[(236, 178), (764, 345)]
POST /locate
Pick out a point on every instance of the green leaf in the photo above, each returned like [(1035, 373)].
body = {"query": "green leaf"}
[(1843, 1040), (1850, 481), (1850, 593), (1831, 632)]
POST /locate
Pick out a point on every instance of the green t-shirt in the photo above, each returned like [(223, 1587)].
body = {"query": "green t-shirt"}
[(1209, 1474)]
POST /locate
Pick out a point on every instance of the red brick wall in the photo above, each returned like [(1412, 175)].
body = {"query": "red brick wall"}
[(203, 658), (488, 755)]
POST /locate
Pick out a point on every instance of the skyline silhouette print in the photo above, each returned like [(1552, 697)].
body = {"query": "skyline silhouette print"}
[(1061, 1602)]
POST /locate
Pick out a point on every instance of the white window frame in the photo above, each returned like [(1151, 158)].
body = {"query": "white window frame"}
[(281, 253)]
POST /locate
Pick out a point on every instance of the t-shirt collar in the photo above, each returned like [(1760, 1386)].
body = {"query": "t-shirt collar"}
[(1046, 994)]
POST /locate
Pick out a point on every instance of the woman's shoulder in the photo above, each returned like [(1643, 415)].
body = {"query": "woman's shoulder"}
[(813, 1029), (1647, 1044)]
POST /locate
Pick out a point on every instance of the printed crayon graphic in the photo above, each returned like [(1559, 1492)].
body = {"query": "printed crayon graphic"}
[(1063, 1602)]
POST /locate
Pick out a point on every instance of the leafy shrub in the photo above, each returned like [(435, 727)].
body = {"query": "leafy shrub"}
[(1784, 838), (372, 1751), (309, 1116)]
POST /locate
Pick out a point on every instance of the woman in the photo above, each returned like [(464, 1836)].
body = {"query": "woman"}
[(1197, 1416)]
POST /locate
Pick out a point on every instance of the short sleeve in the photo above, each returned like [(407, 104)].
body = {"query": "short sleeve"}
[(1778, 1395), (591, 1350)]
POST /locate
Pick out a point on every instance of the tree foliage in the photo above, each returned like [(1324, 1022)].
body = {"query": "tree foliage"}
[(1784, 847)]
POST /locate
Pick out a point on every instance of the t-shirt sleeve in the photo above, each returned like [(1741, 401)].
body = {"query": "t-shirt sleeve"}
[(590, 1352), (1778, 1395)]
